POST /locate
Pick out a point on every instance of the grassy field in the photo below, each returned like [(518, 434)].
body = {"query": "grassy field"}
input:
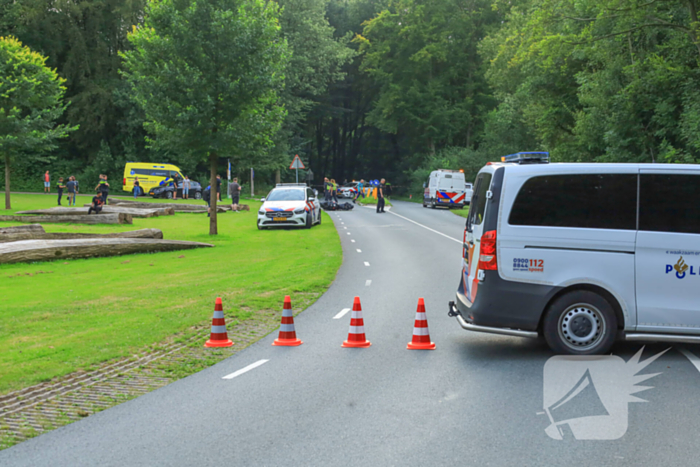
[(62, 316)]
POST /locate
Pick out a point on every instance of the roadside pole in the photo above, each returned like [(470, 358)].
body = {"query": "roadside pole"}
[(252, 182)]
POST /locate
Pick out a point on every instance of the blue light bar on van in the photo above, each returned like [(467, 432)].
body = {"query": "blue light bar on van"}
[(527, 158)]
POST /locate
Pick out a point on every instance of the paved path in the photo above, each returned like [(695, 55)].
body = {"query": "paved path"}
[(473, 401)]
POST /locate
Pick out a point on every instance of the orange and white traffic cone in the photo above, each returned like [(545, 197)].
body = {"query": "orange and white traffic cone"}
[(287, 336), (218, 336), (356, 335), (421, 335)]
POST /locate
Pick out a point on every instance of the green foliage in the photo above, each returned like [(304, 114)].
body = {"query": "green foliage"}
[(423, 54), (601, 81), (316, 61), (30, 103), (207, 75)]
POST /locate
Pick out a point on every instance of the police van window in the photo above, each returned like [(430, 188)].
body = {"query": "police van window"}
[(448, 176), (151, 172), (476, 213), (669, 203), (594, 201)]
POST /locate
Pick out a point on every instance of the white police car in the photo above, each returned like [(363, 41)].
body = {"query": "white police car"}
[(290, 205), (582, 254)]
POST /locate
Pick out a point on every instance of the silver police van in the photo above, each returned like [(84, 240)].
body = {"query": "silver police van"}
[(582, 254)]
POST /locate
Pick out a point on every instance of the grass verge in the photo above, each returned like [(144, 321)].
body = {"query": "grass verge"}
[(63, 316)]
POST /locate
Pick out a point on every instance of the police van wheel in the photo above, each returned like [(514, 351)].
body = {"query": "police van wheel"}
[(432, 204), (580, 323)]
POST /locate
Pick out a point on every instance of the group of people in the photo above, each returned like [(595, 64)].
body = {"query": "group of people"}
[(331, 192), (71, 187), (234, 191)]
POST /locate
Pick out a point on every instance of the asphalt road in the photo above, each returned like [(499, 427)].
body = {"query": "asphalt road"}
[(473, 401)]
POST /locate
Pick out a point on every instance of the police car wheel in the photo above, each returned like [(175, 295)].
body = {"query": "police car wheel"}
[(308, 220), (260, 227), (580, 323), (198, 195), (169, 195)]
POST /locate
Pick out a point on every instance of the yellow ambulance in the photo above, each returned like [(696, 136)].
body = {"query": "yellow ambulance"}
[(150, 175)]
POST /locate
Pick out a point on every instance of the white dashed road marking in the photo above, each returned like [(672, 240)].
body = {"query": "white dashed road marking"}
[(342, 313), (368, 282), (366, 263), (348, 233), (243, 370), (353, 241), (359, 251)]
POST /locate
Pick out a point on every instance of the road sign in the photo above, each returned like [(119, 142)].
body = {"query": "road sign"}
[(297, 163)]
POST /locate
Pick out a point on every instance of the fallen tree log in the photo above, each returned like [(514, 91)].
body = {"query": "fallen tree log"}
[(119, 218), (60, 211), (37, 228), (28, 235), (142, 205), (46, 250)]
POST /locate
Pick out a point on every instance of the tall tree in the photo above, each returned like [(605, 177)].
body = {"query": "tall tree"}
[(30, 103), (424, 55), (207, 74)]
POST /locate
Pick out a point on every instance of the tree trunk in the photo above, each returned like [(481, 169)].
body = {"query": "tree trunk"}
[(119, 218), (33, 228), (140, 213), (41, 235), (45, 250), (213, 160), (277, 176), (7, 182)]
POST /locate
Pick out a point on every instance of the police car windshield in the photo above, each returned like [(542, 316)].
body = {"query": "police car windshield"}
[(289, 194)]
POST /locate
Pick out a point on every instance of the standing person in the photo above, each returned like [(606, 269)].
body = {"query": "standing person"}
[(137, 187), (186, 187), (59, 187), (218, 187), (103, 188), (206, 196), (70, 187), (47, 182), (380, 196), (327, 189), (96, 205), (235, 194), (360, 191), (174, 178), (334, 190)]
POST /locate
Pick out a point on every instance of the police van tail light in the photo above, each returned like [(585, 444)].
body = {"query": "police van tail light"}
[(487, 252)]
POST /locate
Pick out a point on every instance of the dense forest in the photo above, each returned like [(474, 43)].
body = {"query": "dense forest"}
[(396, 88)]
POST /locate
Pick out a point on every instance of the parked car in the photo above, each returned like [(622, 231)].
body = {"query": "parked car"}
[(167, 191), (582, 254), (290, 205), (348, 191)]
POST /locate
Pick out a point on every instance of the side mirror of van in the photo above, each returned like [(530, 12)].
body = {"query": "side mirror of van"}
[(262, 200)]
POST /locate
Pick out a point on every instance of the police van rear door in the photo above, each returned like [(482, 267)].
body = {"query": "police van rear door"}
[(474, 231)]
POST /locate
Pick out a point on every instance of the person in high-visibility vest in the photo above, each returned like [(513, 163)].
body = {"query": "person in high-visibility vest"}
[(334, 190)]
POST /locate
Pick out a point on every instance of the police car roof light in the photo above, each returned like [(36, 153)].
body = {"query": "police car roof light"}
[(541, 157)]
